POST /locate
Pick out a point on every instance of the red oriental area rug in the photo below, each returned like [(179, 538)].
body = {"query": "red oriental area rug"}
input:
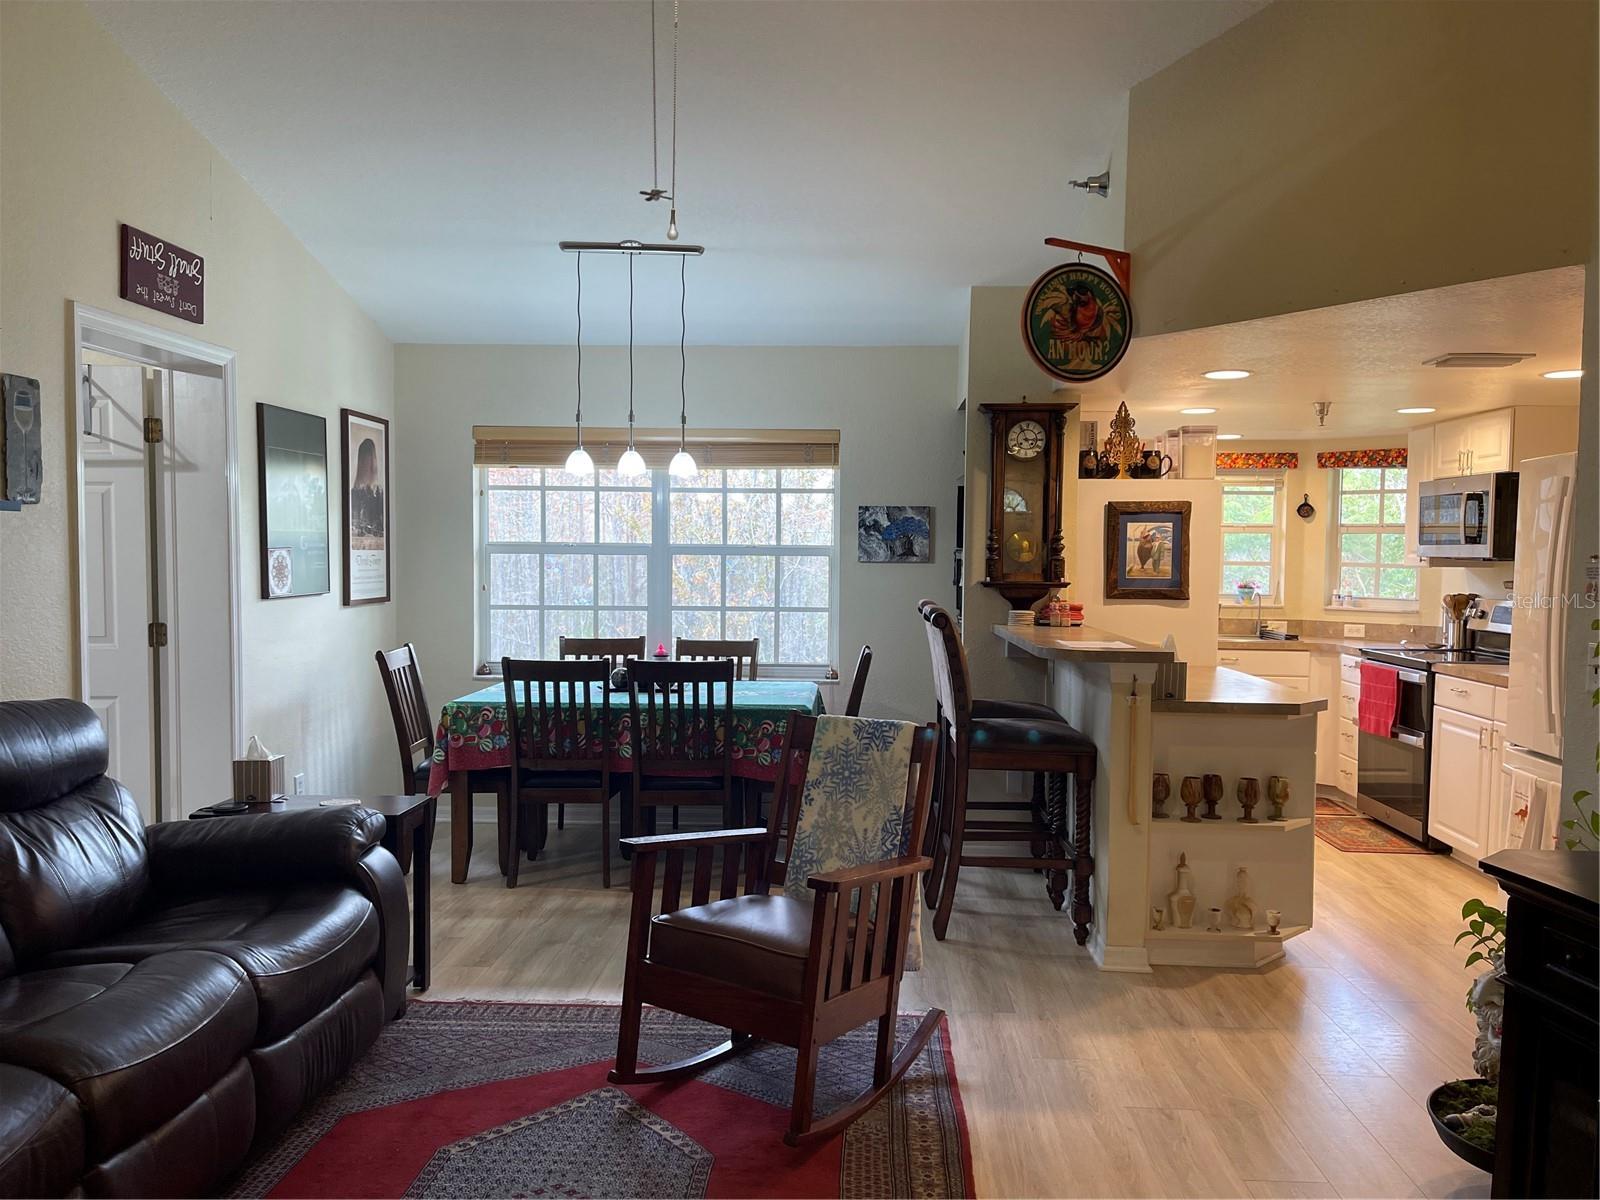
[(1347, 830), (474, 1098)]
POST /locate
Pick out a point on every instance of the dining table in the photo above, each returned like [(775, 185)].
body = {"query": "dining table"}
[(473, 737)]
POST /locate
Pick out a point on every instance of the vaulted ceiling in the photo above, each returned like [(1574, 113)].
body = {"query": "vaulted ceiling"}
[(851, 167)]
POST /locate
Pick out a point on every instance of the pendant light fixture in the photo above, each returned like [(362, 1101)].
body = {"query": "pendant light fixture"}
[(579, 462), (631, 463), (682, 464)]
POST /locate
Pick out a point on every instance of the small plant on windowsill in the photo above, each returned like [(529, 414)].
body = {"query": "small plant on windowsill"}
[(1246, 590)]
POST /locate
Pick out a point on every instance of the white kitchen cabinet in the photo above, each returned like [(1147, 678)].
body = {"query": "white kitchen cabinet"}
[(1449, 456), (1324, 682), (1466, 792), (1474, 445)]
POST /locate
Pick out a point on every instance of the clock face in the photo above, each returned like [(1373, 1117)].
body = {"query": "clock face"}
[(1025, 439)]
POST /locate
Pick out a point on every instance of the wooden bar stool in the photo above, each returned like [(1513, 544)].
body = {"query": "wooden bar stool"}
[(1005, 735)]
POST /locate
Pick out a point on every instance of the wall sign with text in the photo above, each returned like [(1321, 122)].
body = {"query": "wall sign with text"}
[(159, 275)]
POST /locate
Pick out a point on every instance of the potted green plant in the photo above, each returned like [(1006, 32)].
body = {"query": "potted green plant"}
[(1464, 1110)]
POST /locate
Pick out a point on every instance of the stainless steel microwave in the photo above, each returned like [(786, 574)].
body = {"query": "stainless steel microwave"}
[(1469, 517)]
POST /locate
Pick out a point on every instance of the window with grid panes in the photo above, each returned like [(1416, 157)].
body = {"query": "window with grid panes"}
[(1369, 550), (1252, 533), (734, 553)]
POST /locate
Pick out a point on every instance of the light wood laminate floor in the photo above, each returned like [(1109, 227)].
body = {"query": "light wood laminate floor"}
[(1304, 1079)]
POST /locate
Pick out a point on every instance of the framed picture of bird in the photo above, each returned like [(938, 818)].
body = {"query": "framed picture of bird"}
[(1147, 550)]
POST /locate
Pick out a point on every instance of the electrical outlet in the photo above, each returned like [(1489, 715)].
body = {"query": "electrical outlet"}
[(300, 784), (1355, 631)]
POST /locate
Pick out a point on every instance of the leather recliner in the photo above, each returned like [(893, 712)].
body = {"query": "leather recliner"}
[(172, 995)]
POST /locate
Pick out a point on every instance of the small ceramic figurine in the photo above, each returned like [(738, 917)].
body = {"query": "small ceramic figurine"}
[(1213, 792), (1189, 790), (1249, 793), (1241, 906), (1214, 921), (1277, 796), (1160, 789), (1274, 920), (1181, 902), (1158, 917)]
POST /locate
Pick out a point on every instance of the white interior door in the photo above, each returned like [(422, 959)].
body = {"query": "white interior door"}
[(117, 577), (192, 520)]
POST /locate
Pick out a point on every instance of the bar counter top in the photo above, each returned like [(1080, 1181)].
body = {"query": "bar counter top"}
[(1081, 644), (1224, 690)]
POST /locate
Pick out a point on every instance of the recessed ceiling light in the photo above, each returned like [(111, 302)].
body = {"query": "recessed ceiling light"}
[(1228, 374), (1196, 412), (1229, 437), (1569, 374), (1414, 412)]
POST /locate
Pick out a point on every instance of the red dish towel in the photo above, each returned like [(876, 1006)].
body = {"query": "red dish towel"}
[(1380, 696)]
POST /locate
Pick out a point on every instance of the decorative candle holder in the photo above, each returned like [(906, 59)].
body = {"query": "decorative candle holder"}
[(1277, 796), (1160, 790), (1189, 791), (1212, 788), (1249, 793)]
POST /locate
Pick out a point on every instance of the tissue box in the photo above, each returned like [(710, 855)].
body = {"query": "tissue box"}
[(258, 780)]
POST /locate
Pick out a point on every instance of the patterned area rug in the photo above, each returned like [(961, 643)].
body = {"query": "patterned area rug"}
[(1346, 830), (473, 1098)]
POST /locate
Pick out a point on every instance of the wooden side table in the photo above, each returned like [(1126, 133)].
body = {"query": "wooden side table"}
[(408, 823)]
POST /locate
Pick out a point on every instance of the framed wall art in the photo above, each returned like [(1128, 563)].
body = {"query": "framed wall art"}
[(894, 533), (1147, 550), (292, 464), (364, 455)]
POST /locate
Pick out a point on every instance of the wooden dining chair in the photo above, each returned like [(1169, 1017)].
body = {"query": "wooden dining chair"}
[(797, 961), (682, 731), (1005, 735), (858, 685), (616, 651), (559, 717), (745, 654), (414, 732)]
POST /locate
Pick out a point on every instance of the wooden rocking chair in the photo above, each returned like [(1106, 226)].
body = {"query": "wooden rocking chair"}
[(770, 967)]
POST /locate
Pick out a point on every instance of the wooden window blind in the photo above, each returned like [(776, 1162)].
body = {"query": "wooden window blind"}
[(549, 445)]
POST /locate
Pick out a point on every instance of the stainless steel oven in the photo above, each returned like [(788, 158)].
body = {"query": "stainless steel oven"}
[(1470, 517), (1392, 771)]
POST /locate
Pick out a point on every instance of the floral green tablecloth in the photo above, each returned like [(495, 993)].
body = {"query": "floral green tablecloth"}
[(473, 732)]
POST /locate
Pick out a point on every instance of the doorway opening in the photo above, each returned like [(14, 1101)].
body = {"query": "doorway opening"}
[(157, 536)]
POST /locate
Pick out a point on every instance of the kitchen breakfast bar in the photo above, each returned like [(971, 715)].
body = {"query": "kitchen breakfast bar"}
[(1246, 880)]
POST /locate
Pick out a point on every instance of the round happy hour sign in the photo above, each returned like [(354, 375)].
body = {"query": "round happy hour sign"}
[(1076, 322)]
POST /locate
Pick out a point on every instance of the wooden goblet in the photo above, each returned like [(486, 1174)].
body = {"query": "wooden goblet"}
[(1160, 790), (1212, 786), (1249, 793), (1189, 790), (1277, 796)]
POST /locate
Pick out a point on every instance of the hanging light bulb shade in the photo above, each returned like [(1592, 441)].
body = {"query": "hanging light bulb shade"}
[(632, 462), (682, 464), (579, 462)]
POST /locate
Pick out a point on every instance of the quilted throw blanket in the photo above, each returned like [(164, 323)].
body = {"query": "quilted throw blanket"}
[(853, 807)]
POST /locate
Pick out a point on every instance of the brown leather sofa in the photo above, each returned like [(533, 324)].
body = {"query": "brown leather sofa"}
[(172, 995)]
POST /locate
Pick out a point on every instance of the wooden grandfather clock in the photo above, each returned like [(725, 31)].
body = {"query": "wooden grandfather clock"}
[(1024, 556)]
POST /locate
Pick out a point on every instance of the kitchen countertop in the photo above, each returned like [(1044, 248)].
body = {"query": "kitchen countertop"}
[(1082, 644), (1496, 674), (1324, 645), (1224, 690)]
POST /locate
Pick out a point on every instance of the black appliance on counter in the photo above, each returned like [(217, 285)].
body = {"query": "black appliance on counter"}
[(1393, 772)]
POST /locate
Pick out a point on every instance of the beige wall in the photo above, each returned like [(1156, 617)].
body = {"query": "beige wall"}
[(900, 443), (1319, 153), (90, 142), (1191, 623)]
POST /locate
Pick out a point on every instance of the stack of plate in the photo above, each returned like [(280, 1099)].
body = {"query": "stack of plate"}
[(1020, 616)]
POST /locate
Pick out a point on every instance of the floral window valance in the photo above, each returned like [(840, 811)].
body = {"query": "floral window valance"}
[(1362, 458), (1258, 460)]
